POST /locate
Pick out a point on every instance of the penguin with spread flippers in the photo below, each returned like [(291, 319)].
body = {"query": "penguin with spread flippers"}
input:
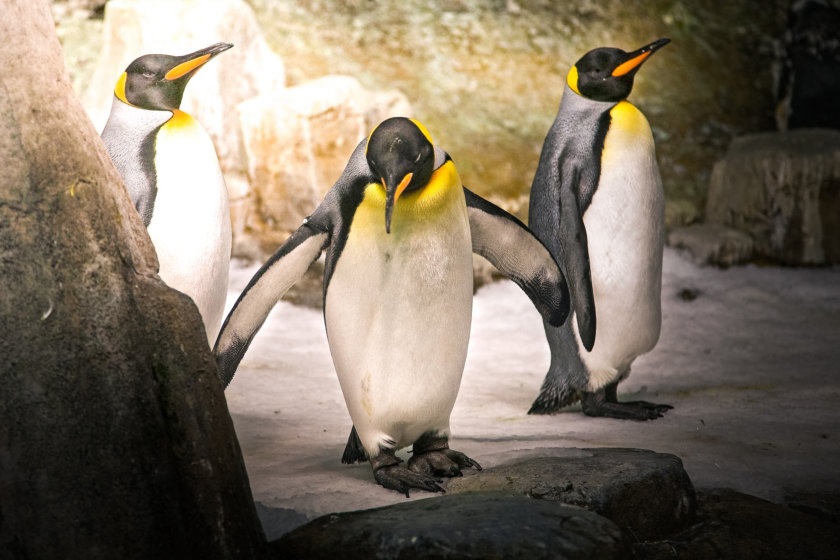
[(170, 169), (597, 203), (399, 230)]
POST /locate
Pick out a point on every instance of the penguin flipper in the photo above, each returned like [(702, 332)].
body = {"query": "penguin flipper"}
[(265, 289), (511, 247), (575, 256)]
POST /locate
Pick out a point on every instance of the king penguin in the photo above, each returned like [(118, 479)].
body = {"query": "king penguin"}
[(170, 169), (597, 203), (399, 230)]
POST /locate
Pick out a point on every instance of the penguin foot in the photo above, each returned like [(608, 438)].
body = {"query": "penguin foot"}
[(389, 473), (600, 404), (551, 399), (444, 462), (353, 451), (432, 456), (401, 479)]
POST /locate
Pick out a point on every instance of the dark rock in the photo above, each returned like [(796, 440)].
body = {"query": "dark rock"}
[(825, 505), (710, 244), (115, 438), (734, 526), (809, 81), (277, 521), (647, 494), (481, 526), (783, 189)]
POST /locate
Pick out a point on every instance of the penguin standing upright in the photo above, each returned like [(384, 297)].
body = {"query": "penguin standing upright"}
[(598, 205), (170, 169), (399, 230)]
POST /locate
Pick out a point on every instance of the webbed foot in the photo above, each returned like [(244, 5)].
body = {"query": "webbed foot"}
[(604, 403), (389, 473), (432, 456)]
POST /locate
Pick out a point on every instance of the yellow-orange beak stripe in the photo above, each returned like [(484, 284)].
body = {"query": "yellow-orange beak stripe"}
[(402, 186), (186, 67), (630, 64)]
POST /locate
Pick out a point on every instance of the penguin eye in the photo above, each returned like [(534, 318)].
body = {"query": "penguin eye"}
[(148, 73), (419, 155)]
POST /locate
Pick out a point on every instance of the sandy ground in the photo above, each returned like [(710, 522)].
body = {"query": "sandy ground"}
[(750, 366)]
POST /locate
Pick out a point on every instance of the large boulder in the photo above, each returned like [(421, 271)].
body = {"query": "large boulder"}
[(136, 27), (459, 526), (115, 438), (736, 526), (712, 244), (649, 495), (782, 188), (298, 142)]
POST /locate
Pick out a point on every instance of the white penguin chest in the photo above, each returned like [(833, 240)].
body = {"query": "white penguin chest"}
[(625, 235), (398, 310), (190, 225)]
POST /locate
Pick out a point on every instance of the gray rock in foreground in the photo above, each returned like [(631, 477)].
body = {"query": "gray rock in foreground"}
[(732, 525), (485, 526), (649, 495)]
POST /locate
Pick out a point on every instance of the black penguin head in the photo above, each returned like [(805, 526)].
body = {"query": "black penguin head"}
[(606, 74), (157, 81), (401, 155)]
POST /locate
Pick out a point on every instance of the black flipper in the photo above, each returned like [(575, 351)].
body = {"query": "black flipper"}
[(510, 246), (264, 290), (575, 256)]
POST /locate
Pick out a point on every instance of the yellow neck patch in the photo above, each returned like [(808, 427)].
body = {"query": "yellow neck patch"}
[(422, 204), (627, 117), (572, 80), (180, 120)]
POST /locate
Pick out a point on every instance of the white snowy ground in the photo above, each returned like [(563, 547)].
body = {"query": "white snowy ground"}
[(751, 367)]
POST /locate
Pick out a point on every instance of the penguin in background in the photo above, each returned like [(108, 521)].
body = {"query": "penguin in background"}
[(170, 169), (399, 230), (597, 203)]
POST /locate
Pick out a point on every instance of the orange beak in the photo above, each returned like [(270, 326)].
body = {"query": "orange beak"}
[(391, 200), (636, 58)]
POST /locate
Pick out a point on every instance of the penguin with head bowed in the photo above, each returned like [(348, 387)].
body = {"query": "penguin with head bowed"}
[(170, 169), (598, 205), (399, 230)]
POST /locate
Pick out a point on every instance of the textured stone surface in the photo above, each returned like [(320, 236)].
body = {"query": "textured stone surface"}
[(458, 526), (736, 526), (712, 244), (647, 494), (784, 190), (115, 437)]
